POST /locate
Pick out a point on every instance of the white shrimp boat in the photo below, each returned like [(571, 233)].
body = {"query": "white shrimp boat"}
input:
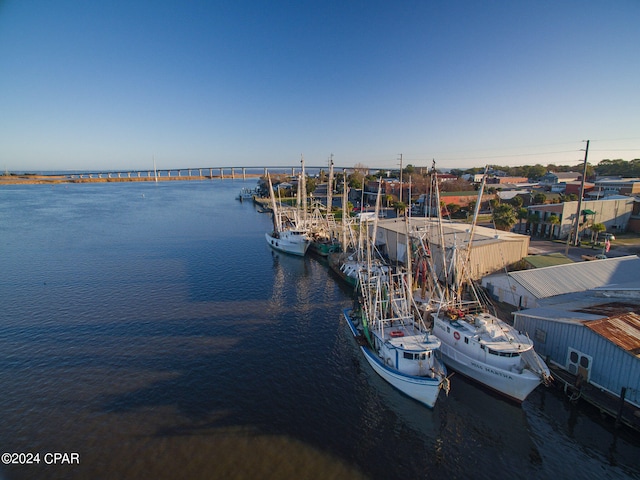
[(394, 340), (483, 348), (477, 343), (286, 236), (290, 240)]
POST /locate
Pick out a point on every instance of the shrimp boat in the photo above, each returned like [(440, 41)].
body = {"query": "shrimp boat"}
[(363, 258), (475, 342), (286, 236), (488, 350), (394, 339)]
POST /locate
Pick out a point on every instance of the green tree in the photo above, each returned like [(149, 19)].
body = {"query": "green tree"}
[(453, 208), (539, 198), (553, 221), (533, 220), (536, 172), (597, 229), (399, 207), (522, 214), (504, 217), (517, 202), (311, 184)]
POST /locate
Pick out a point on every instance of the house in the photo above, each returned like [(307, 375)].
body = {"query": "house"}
[(504, 180), (551, 178), (574, 188)]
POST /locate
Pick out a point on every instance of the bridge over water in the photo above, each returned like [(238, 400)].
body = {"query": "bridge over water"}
[(199, 172)]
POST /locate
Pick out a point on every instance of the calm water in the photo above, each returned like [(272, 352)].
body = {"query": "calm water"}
[(150, 329)]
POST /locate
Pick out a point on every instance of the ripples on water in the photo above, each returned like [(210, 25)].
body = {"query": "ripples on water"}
[(151, 329)]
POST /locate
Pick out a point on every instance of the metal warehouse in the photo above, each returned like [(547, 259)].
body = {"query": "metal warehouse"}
[(594, 338), (526, 288), (491, 250)]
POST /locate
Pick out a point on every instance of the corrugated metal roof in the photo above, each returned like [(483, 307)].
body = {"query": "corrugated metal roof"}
[(623, 330), (579, 276), (557, 314)]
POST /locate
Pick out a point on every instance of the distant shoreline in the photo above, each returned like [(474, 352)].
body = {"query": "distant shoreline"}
[(56, 179)]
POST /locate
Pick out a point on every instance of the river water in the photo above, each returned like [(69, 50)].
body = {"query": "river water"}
[(148, 331)]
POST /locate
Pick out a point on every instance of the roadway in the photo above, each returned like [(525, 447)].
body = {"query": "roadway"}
[(626, 245)]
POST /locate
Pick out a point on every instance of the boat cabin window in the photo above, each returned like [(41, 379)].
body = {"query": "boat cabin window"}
[(417, 356), (503, 354)]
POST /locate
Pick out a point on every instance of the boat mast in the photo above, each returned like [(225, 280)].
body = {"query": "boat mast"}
[(376, 210), (303, 192), (443, 247), (408, 246), (465, 265), (330, 186), (344, 209), (276, 219)]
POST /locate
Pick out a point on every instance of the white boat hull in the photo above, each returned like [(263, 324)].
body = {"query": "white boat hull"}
[(494, 362), (423, 389), (294, 244), (516, 386)]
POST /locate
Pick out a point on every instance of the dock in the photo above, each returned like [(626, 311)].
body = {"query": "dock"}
[(614, 406)]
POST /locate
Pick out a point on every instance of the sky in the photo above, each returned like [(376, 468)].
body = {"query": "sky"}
[(115, 85)]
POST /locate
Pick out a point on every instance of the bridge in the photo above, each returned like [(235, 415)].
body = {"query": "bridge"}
[(196, 173)]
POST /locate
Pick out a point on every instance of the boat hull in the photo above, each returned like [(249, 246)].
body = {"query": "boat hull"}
[(515, 386), (323, 248), (423, 389), (297, 246)]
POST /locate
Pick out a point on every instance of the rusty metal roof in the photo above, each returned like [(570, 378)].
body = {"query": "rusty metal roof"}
[(623, 330)]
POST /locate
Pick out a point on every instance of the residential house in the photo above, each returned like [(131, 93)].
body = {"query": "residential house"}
[(551, 178)]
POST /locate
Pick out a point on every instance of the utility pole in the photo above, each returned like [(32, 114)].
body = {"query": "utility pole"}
[(584, 174), (400, 196)]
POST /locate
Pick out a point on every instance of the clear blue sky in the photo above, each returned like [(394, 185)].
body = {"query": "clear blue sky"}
[(111, 84)]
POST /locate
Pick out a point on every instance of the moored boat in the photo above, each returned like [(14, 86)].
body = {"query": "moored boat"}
[(475, 342), (394, 340), (290, 241), (488, 350), (286, 236)]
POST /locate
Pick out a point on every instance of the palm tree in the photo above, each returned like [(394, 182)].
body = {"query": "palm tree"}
[(597, 228), (399, 207), (522, 214), (553, 221), (504, 217), (533, 220)]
